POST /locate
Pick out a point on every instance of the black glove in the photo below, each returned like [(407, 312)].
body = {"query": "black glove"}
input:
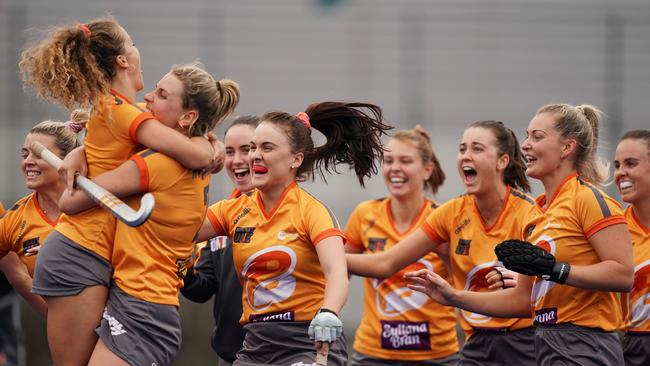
[(531, 260)]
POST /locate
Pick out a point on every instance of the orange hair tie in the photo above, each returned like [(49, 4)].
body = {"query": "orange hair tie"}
[(84, 28), (304, 118)]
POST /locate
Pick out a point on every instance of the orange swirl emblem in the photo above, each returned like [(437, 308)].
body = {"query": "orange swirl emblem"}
[(476, 282), (393, 298), (268, 277), (542, 287), (640, 296)]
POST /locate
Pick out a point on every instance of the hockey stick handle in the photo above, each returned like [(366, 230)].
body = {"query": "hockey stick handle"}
[(321, 354), (100, 195)]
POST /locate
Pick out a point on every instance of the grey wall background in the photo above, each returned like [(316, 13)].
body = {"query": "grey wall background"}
[(442, 64)]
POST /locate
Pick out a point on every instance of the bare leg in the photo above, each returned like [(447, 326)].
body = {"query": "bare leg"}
[(102, 356), (71, 323)]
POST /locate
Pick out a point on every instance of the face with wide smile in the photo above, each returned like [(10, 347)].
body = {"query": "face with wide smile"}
[(478, 160), (543, 146), (166, 101), (37, 173), (404, 171), (632, 170), (271, 159), (237, 163)]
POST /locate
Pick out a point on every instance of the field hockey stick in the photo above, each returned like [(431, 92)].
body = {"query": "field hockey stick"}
[(321, 354), (101, 196)]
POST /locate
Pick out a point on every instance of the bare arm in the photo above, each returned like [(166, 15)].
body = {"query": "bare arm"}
[(509, 303), (332, 260), (387, 263), (193, 153), (21, 281), (122, 181), (615, 271), (206, 232)]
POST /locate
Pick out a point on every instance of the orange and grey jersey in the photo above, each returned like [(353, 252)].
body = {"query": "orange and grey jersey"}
[(150, 261), (275, 253), (22, 227), (110, 140), (576, 211), (636, 304), (471, 247), (398, 323)]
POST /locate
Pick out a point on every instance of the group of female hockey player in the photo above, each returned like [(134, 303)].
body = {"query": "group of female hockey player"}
[(552, 280)]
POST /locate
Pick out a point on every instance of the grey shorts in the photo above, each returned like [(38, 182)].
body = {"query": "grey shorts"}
[(285, 343), (567, 344), (65, 268), (140, 332), (499, 348), (636, 349), (360, 359)]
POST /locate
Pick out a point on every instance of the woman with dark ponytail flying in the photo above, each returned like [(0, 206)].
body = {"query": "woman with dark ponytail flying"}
[(287, 245), (466, 230)]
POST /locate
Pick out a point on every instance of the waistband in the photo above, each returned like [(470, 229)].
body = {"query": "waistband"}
[(501, 330), (570, 326)]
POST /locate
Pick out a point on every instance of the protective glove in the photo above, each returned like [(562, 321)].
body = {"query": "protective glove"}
[(325, 327), (531, 260)]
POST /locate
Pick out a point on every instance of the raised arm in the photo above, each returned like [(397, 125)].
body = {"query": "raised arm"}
[(193, 153), (387, 263)]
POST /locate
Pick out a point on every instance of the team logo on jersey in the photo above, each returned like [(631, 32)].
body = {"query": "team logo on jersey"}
[(376, 244), (476, 282), (393, 298), (552, 225), (542, 287), (243, 234), (268, 276), (31, 243), (639, 312), (405, 335), (546, 316), (282, 235), (182, 265), (241, 215), (279, 316), (462, 226), (463, 247)]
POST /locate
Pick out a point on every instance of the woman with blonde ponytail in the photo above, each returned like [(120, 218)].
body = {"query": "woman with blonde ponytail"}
[(26, 225), (150, 261), (580, 257), (94, 64), (410, 168)]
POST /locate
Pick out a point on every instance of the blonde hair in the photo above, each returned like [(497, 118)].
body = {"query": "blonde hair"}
[(72, 67), (581, 123), (66, 139), (421, 140), (214, 100)]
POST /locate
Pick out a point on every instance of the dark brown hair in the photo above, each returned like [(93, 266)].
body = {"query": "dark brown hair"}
[(353, 132)]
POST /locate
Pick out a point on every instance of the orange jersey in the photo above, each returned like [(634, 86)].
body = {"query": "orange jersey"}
[(576, 211), (2, 210), (636, 304), (275, 254), (24, 226), (110, 140), (398, 323), (150, 261), (471, 247)]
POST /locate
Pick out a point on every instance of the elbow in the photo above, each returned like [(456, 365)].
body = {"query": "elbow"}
[(627, 283)]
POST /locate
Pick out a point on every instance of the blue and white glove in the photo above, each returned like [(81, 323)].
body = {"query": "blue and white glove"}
[(325, 327)]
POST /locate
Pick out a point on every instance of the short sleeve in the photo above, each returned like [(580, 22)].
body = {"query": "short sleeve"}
[(437, 224), (157, 171), (596, 210), (321, 222), (353, 230), (217, 216), (5, 238), (127, 118)]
